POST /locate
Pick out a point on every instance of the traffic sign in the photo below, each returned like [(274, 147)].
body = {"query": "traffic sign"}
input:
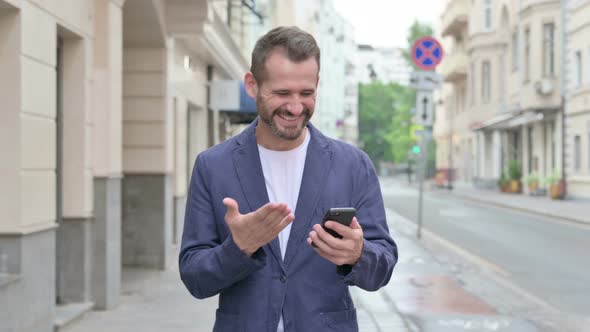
[(427, 53), (425, 80), (424, 108), (416, 132)]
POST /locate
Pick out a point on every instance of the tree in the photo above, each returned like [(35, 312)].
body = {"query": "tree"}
[(416, 31), (384, 121), (399, 135), (375, 113)]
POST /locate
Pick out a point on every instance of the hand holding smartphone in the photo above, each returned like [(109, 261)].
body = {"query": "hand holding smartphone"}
[(342, 215)]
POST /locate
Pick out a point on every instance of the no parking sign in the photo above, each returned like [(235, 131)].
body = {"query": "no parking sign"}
[(427, 53)]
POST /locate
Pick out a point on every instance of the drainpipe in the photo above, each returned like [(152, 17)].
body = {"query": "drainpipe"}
[(564, 54)]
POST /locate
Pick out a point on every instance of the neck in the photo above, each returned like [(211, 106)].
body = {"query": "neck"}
[(270, 141)]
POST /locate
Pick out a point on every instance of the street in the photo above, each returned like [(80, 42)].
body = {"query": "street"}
[(476, 268), (544, 258)]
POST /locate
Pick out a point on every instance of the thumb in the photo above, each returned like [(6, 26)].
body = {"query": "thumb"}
[(355, 224), (232, 208)]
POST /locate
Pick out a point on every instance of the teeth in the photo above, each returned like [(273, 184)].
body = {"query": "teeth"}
[(288, 118)]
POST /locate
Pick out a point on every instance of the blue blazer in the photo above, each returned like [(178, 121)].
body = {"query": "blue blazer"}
[(309, 291)]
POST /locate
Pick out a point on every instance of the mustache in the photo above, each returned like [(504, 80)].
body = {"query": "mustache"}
[(280, 111)]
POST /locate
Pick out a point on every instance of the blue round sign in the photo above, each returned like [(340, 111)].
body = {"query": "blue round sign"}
[(427, 53)]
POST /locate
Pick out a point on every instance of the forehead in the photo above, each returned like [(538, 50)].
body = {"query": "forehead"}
[(279, 68)]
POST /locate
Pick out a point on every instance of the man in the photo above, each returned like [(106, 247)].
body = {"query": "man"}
[(255, 203)]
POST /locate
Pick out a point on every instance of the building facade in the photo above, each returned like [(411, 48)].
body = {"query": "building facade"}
[(386, 65), (577, 104), (105, 107), (503, 94)]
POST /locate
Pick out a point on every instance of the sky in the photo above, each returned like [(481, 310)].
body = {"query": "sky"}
[(385, 22)]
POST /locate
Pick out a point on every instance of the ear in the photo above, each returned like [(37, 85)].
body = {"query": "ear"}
[(251, 85)]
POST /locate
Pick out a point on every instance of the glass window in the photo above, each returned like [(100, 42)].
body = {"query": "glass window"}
[(485, 81), (577, 153), (578, 68), (472, 82), (515, 50), (548, 49), (527, 53), (487, 14)]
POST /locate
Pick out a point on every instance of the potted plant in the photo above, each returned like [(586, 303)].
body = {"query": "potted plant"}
[(556, 185), (503, 182), (532, 182), (515, 175)]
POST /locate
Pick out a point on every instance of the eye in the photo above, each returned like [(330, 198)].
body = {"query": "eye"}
[(282, 93), (307, 93)]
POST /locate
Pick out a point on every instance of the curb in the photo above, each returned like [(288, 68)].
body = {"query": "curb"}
[(521, 209)]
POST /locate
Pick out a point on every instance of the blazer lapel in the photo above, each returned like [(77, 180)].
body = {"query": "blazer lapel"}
[(317, 165), (247, 164)]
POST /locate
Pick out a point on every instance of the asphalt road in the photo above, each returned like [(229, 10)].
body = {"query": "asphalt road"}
[(548, 258)]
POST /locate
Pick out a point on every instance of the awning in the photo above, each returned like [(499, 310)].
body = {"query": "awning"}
[(231, 96), (247, 103), (510, 120), (494, 123), (524, 119)]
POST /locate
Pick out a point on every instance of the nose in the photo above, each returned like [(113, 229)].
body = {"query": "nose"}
[(295, 108)]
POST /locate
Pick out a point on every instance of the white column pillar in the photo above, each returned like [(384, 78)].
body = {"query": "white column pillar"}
[(496, 154)]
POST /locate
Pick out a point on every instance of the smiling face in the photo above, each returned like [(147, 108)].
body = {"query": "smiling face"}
[(285, 99)]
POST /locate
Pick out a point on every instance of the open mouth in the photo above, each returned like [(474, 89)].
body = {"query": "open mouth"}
[(287, 117)]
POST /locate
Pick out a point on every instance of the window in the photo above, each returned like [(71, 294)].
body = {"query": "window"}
[(527, 53), (577, 153), (473, 83), (578, 68), (548, 49), (485, 81), (487, 5), (515, 50), (501, 79)]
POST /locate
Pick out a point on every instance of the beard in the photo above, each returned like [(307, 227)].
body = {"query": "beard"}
[(287, 133)]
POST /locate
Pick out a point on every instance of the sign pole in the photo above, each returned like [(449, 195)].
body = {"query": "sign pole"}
[(427, 53)]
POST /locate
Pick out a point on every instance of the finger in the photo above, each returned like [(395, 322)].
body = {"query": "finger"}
[(264, 211), (328, 238), (321, 252), (321, 245), (233, 210), (337, 227), (355, 224), (285, 222), (277, 214)]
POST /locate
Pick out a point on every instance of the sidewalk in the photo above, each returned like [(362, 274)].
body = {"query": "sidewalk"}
[(575, 210), (572, 210), (157, 301), (430, 291)]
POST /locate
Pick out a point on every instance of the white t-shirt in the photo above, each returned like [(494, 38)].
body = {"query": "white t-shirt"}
[(283, 171)]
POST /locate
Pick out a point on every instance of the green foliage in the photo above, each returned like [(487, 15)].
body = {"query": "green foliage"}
[(384, 121), (503, 180), (530, 178), (514, 170), (552, 178), (416, 31)]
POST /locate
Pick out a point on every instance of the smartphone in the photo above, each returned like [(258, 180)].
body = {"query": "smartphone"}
[(342, 215)]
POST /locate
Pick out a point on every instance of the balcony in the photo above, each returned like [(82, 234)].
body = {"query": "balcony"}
[(455, 17), (453, 68)]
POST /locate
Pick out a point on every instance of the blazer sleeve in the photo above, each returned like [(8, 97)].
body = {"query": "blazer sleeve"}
[(374, 268), (207, 263)]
